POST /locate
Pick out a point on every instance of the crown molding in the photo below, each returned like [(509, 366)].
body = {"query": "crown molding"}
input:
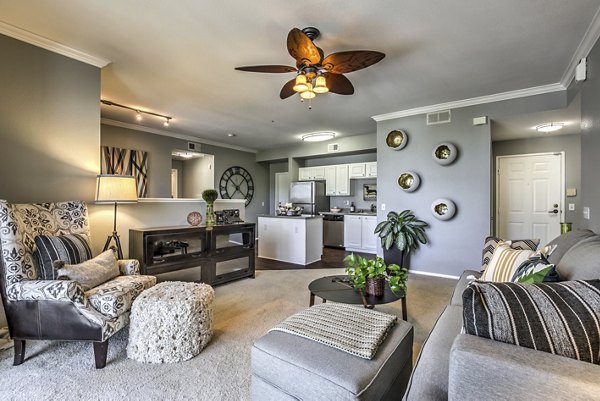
[(157, 131), (48, 44), (536, 90), (585, 46)]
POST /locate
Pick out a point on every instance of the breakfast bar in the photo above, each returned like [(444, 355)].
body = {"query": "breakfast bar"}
[(292, 239)]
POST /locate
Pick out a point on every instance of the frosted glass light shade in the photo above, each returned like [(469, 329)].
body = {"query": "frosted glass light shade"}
[(321, 85), (115, 189), (308, 94), (301, 85)]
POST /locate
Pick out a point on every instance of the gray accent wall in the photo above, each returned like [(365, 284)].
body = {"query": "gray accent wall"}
[(455, 245), (590, 141), (570, 144), (159, 163), (49, 125)]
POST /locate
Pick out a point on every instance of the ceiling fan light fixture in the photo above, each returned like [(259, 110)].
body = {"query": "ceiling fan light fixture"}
[(321, 85), (301, 83), (549, 127), (308, 94), (318, 136)]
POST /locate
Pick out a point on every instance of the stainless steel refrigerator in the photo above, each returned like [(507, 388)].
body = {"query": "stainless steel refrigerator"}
[(310, 195)]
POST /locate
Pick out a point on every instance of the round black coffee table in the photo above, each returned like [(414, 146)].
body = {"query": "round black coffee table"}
[(340, 289)]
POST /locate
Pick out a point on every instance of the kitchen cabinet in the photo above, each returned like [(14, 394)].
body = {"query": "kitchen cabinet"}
[(371, 169), (359, 233), (357, 170), (337, 180), (292, 239), (311, 173)]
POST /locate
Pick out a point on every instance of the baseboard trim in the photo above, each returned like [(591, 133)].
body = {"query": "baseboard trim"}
[(422, 273)]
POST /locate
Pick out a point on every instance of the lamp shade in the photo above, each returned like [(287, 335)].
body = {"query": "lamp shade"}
[(115, 189)]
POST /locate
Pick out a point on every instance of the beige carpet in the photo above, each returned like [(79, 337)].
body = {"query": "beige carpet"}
[(244, 311)]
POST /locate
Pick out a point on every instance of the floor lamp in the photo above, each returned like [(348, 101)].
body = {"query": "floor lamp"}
[(115, 189)]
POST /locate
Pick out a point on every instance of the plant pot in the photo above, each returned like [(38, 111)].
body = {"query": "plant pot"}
[(394, 255), (375, 286)]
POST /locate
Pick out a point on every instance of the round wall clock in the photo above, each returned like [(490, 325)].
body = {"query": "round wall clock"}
[(236, 183)]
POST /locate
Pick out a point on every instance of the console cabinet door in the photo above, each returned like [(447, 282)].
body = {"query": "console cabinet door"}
[(353, 232)]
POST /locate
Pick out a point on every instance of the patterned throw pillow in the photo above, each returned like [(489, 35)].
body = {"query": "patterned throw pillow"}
[(90, 273), (560, 318), (71, 248), (537, 269), (504, 263), (492, 242)]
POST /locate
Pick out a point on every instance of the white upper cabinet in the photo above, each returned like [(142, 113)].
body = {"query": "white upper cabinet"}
[(371, 169), (357, 170), (342, 180), (311, 173), (330, 175)]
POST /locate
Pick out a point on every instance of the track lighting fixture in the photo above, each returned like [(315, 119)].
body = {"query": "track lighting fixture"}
[(139, 113)]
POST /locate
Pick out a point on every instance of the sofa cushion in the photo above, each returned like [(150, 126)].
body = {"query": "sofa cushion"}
[(560, 318), (116, 296), (308, 370), (90, 273), (581, 261), (490, 244), (429, 380), (70, 248), (504, 263), (464, 280), (565, 242)]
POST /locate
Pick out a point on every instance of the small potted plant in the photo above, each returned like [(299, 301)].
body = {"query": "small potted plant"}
[(210, 196), (372, 274), (400, 234)]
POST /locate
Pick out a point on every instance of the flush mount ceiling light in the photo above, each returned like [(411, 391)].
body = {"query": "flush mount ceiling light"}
[(318, 136), (549, 127), (139, 113)]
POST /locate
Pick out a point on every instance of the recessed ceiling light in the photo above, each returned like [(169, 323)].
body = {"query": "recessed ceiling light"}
[(549, 127), (230, 135), (318, 136)]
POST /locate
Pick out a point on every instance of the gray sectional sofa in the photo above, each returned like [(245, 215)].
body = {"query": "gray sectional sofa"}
[(455, 366)]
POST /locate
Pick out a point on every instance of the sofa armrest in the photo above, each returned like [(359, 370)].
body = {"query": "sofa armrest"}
[(483, 369), (129, 267), (47, 290)]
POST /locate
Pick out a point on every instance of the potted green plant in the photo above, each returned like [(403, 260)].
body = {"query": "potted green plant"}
[(400, 234), (372, 274), (210, 196)]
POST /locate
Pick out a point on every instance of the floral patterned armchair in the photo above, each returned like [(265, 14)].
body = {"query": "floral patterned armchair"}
[(59, 309)]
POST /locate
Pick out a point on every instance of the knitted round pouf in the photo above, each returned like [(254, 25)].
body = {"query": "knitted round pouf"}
[(171, 322)]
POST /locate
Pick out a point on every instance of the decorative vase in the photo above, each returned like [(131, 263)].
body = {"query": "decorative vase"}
[(210, 215), (374, 286)]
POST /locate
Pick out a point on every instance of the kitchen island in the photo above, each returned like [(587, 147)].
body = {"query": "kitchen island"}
[(292, 239)]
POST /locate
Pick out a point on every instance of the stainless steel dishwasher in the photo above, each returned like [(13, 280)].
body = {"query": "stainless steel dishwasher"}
[(333, 230)]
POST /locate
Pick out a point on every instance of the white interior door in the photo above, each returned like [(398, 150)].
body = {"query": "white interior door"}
[(529, 196), (282, 188), (174, 183)]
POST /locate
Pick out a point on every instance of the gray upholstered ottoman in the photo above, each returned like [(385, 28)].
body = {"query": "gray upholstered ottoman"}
[(288, 367), (171, 322)]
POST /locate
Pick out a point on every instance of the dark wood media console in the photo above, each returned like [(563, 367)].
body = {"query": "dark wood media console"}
[(224, 252)]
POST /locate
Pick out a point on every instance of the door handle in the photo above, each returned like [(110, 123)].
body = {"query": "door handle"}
[(555, 211)]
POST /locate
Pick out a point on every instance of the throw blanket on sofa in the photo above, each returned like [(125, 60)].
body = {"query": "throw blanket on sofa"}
[(354, 330)]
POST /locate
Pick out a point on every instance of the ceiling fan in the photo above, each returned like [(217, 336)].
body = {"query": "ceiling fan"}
[(315, 72)]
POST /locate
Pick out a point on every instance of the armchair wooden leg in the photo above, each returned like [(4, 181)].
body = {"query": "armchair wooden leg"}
[(19, 352), (100, 353)]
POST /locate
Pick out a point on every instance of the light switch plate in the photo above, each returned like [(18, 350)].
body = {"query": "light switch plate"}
[(571, 206), (571, 191), (383, 206), (586, 213)]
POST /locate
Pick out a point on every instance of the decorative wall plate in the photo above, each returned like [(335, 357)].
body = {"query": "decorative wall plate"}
[(409, 181), (443, 209), (444, 153), (396, 139), (194, 218)]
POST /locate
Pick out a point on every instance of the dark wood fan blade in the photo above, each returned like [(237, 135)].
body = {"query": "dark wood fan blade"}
[(339, 84), (274, 69), (344, 62), (302, 48), (288, 89)]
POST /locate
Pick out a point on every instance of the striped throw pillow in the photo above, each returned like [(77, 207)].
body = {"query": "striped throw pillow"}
[(71, 249), (490, 244), (505, 262), (561, 318)]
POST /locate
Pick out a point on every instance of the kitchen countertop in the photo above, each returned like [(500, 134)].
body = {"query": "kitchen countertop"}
[(302, 216)]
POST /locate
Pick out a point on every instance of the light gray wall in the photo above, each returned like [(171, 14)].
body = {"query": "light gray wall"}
[(49, 125), (159, 163), (456, 244), (199, 174), (590, 141), (570, 144)]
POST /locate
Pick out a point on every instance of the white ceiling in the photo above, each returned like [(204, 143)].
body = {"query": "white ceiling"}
[(178, 58)]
